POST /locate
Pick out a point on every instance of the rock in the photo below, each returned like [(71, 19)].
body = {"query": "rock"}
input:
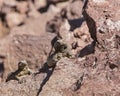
[(54, 24), (30, 87), (20, 48), (28, 28), (4, 31), (10, 3), (14, 19), (105, 46), (82, 32), (6, 9), (35, 29), (53, 9), (32, 11), (65, 34), (73, 16), (22, 7), (74, 10), (81, 43), (62, 4), (62, 78), (1, 3), (100, 1), (56, 1), (102, 27), (40, 3), (34, 14), (98, 58)]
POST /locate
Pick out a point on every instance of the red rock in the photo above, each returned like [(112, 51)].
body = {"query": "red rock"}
[(56, 1), (6, 9), (22, 7), (100, 64), (81, 43), (14, 19), (1, 3), (10, 3), (34, 14), (40, 3), (32, 11), (3, 30)]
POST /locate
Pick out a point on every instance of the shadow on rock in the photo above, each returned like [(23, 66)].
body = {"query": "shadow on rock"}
[(90, 22), (89, 49), (2, 67), (75, 23), (52, 44), (49, 71), (44, 9)]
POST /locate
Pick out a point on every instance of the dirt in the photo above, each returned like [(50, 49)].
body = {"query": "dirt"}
[(93, 34)]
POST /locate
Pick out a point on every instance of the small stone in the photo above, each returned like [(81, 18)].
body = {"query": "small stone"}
[(6, 9), (99, 1), (1, 3), (22, 7), (14, 19), (3, 30), (34, 14), (83, 30), (62, 4), (40, 3), (65, 26), (81, 43), (53, 9), (10, 3)]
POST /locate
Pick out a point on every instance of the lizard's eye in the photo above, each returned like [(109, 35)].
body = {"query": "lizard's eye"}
[(64, 46), (21, 65)]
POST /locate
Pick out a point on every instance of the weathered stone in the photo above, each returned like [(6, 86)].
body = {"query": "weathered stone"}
[(32, 11), (4, 30), (40, 4), (11, 3), (56, 1), (1, 3), (22, 7), (14, 19)]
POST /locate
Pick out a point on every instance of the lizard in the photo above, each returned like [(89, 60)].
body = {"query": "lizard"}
[(61, 50), (22, 70)]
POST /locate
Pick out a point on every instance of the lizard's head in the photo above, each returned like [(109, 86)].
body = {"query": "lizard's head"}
[(22, 64), (60, 45)]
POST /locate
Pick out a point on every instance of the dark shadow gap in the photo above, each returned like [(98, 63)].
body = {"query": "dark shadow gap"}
[(49, 71), (91, 25), (44, 9), (75, 23), (2, 68), (89, 49)]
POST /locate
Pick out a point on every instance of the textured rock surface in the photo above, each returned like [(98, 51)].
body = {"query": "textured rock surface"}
[(14, 19), (94, 37)]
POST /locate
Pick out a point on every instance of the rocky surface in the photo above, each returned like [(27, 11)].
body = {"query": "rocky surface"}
[(93, 35)]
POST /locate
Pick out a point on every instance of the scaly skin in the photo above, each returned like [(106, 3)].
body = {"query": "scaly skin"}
[(61, 50), (18, 75)]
